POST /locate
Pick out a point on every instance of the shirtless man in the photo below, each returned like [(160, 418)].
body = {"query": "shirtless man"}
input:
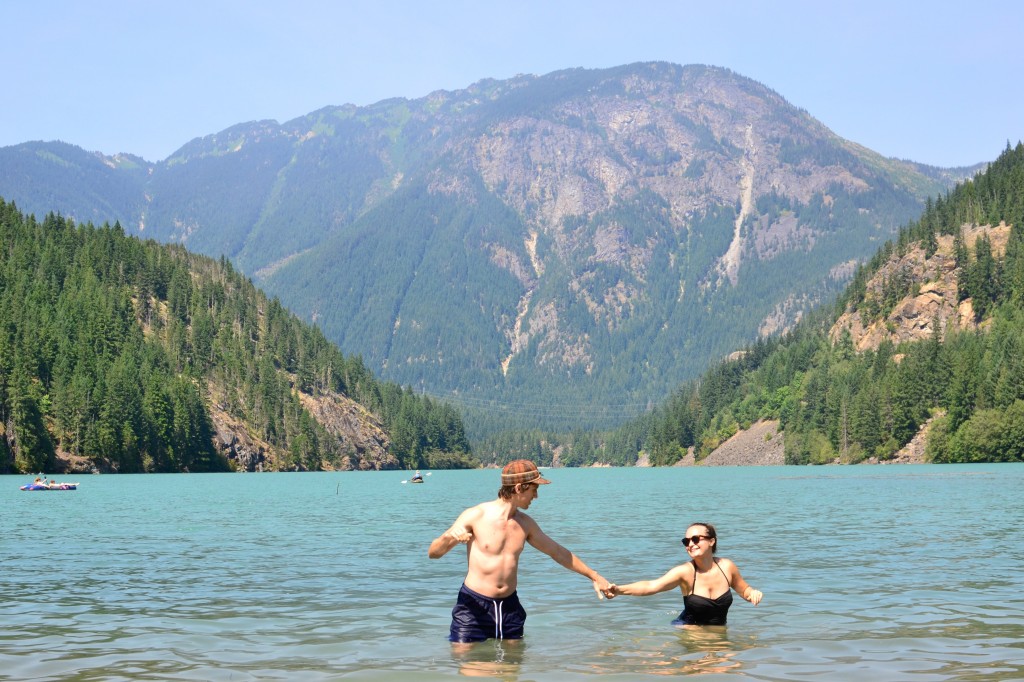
[(495, 534)]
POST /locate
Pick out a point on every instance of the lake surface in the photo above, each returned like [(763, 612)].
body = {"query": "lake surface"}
[(870, 572)]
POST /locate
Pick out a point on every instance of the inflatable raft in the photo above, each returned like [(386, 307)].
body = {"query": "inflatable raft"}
[(62, 486)]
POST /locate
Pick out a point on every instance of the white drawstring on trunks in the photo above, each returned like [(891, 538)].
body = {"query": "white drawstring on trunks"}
[(499, 627)]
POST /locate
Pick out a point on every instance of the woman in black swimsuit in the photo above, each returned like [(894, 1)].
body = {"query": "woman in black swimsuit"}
[(706, 581)]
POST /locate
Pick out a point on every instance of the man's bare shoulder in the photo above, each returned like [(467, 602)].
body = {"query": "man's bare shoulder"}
[(474, 512), (526, 521)]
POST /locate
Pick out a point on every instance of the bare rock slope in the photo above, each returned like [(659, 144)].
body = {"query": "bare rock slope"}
[(760, 445)]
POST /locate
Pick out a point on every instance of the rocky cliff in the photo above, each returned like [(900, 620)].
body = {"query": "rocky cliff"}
[(934, 300), (356, 430)]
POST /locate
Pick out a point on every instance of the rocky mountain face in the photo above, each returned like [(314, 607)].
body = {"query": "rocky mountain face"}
[(342, 418), (571, 241), (934, 300)]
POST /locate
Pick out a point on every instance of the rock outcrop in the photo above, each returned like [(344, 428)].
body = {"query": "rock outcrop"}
[(357, 431), (914, 318), (354, 426), (760, 445)]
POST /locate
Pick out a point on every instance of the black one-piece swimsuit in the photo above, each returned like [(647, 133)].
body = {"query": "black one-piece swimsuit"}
[(698, 610)]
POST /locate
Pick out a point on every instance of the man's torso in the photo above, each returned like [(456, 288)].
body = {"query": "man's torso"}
[(495, 549)]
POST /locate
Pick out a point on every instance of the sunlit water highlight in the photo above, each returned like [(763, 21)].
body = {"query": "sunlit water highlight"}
[(894, 573)]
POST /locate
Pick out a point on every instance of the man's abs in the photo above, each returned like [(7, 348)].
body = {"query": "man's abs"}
[(492, 575)]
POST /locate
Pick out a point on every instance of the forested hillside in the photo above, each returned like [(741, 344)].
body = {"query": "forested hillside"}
[(123, 355), (842, 392)]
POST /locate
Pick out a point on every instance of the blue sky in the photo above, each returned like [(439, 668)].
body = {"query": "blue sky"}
[(936, 82)]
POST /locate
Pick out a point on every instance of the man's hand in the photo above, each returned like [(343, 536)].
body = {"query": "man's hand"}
[(602, 587), (459, 534), (449, 539)]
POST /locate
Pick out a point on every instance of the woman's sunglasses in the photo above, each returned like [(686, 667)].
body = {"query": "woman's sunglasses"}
[(695, 540)]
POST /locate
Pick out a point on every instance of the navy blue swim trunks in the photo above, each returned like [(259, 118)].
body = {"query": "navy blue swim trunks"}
[(476, 617)]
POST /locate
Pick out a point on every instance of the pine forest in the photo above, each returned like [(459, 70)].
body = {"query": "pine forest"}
[(123, 355)]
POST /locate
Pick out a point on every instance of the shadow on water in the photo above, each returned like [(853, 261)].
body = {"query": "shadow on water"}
[(687, 650), (494, 659)]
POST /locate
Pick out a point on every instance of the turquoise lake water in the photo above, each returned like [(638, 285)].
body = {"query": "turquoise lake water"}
[(869, 573)]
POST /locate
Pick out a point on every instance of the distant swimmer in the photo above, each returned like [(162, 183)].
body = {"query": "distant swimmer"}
[(705, 581), (495, 534)]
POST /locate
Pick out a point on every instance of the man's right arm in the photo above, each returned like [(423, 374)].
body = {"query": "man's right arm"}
[(461, 532)]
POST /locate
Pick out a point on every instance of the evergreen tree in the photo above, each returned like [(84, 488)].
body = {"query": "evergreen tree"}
[(114, 349)]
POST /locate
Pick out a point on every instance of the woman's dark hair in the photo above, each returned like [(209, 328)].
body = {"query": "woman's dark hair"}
[(710, 533)]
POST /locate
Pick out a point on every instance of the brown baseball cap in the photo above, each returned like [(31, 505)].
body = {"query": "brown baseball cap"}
[(521, 471)]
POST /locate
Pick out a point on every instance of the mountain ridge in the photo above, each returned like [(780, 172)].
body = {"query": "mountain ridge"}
[(582, 237)]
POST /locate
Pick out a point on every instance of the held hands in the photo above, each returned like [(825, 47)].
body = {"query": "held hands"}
[(603, 588)]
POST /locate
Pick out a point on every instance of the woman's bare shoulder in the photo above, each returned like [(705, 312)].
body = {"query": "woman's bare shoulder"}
[(684, 570), (727, 565)]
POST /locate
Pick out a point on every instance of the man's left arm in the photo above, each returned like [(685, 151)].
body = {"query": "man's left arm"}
[(540, 540)]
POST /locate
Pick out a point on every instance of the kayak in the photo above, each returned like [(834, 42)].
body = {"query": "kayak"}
[(62, 486)]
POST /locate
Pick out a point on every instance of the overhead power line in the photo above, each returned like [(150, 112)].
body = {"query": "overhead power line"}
[(551, 410)]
